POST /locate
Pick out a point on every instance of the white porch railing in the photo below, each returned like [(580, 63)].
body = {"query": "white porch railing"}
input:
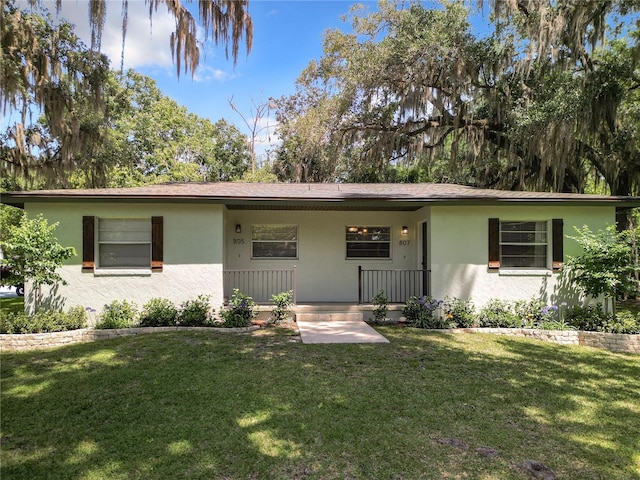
[(259, 284)]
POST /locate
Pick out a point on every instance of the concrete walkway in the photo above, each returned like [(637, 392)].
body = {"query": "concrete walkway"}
[(338, 331)]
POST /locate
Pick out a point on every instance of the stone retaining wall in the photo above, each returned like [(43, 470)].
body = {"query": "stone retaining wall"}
[(37, 341), (616, 342)]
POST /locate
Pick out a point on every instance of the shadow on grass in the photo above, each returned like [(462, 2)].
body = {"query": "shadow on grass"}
[(206, 405), (12, 304)]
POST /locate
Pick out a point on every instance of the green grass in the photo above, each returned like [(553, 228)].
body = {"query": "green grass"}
[(12, 304), (259, 406)]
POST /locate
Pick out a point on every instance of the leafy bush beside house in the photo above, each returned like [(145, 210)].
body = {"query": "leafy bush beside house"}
[(118, 314), (459, 312), (159, 312), (606, 265), (381, 308), (281, 306), (43, 322), (240, 311), (34, 254), (420, 312), (196, 312)]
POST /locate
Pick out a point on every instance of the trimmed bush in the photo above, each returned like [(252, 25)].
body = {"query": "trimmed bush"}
[(240, 311), (159, 312), (43, 322), (196, 313), (76, 318), (118, 315), (458, 312), (498, 313)]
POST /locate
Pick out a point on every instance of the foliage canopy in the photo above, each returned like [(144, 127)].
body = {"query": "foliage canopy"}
[(546, 99), (45, 70)]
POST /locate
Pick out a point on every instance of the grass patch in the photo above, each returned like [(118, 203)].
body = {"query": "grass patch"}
[(12, 304), (211, 405)]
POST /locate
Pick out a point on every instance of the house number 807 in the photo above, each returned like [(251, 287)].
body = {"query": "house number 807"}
[(404, 243)]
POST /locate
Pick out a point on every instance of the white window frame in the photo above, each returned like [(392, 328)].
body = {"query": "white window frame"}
[(135, 237), (536, 241), (262, 241), (365, 229)]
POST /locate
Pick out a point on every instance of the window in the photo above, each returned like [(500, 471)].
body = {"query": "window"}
[(124, 243), (368, 242), (523, 244), (274, 241)]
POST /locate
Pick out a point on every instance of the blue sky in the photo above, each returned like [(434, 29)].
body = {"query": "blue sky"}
[(288, 34)]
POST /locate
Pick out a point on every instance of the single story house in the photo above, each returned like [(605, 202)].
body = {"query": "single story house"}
[(337, 243)]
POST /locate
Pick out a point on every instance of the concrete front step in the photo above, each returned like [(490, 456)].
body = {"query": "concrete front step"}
[(329, 317)]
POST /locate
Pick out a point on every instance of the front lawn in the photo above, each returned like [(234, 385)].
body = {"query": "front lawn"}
[(12, 304), (262, 406)]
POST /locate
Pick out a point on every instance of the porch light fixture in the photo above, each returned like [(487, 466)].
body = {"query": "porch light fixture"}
[(238, 228), (405, 230)]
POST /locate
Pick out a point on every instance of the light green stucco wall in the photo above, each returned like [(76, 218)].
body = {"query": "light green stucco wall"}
[(199, 239), (193, 254), (322, 271), (459, 252)]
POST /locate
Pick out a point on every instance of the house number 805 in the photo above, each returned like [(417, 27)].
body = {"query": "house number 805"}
[(238, 241), (404, 243)]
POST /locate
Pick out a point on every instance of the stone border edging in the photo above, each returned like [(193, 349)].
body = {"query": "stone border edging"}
[(615, 342), (36, 341)]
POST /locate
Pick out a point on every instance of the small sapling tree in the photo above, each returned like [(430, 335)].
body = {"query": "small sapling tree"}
[(606, 264), (33, 253)]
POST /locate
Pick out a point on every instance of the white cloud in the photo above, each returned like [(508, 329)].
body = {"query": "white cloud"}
[(146, 44), (205, 73), (266, 135)]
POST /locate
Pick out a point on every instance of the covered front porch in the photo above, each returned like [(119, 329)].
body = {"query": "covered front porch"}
[(338, 254)]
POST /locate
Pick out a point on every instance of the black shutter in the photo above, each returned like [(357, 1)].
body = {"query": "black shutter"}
[(557, 237), (88, 243), (494, 243), (157, 245)]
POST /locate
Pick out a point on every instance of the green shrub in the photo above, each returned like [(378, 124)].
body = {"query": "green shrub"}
[(117, 315), (381, 308), (281, 304), (14, 322), (459, 313), (43, 322), (498, 313), (419, 311), (624, 322), (240, 311), (159, 312), (593, 318), (534, 313), (196, 313), (589, 318), (76, 318)]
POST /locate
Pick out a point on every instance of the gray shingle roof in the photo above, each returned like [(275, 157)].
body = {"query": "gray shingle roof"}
[(273, 193)]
